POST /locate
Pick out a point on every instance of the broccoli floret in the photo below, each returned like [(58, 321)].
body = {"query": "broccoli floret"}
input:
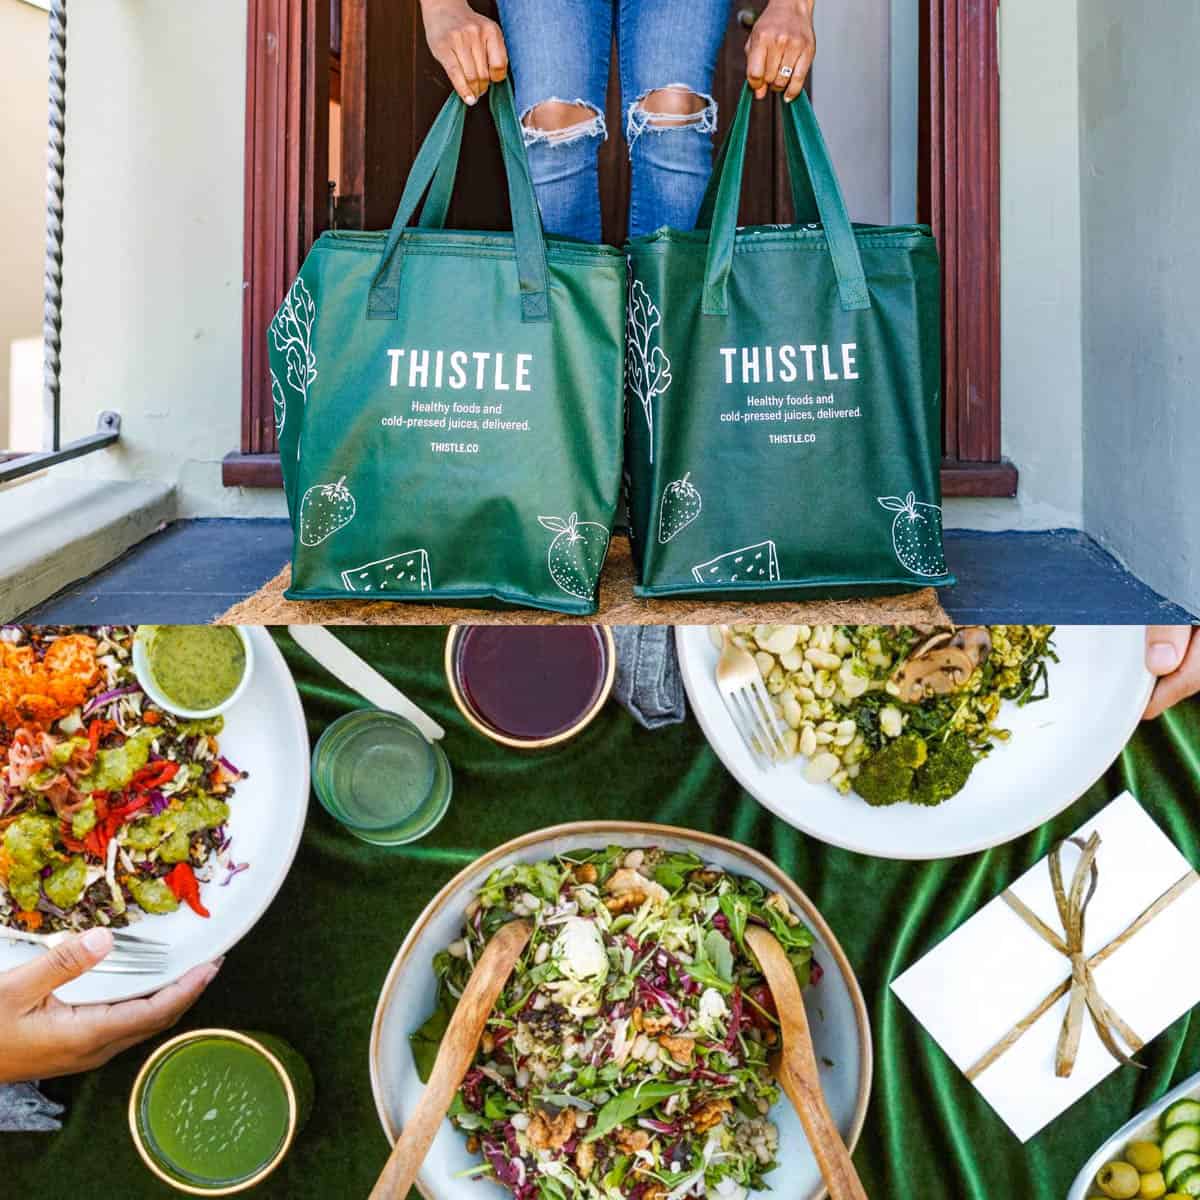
[(945, 772), (888, 776)]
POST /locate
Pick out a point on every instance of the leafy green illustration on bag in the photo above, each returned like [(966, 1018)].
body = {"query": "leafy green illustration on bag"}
[(916, 534), (681, 504), (647, 368), (292, 334), (279, 401), (407, 571), (751, 564), (576, 554), (325, 508)]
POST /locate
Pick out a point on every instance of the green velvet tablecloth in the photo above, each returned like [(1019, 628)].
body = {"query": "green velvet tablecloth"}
[(312, 968)]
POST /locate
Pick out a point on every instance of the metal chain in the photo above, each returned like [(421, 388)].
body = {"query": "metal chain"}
[(52, 277)]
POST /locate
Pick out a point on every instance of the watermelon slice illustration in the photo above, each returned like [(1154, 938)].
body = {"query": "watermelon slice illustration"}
[(751, 564), (404, 572)]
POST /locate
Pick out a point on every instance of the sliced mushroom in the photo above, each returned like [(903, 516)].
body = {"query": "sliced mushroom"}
[(937, 673), (933, 642), (976, 640)]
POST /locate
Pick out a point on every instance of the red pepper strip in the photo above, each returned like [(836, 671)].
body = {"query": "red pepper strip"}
[(106, 827), (182, 881), (96, 730), (73, 844), (153, 775)]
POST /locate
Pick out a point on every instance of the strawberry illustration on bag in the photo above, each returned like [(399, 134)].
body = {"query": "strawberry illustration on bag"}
[(326, 508), (916, 534), (679, 508), (576, 554)]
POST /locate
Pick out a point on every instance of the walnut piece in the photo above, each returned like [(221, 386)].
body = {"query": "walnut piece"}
[(547, 1132), (656, 1023), (630, 1141), (585, 1158), (681, 1049), (709, 1114), (626, 880), (625, 902)]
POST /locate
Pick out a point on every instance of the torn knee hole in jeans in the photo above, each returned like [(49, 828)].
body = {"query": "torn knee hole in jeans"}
[(675, 106), (557, 122)]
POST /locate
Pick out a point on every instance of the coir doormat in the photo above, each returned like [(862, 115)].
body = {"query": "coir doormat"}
[(618, 606)]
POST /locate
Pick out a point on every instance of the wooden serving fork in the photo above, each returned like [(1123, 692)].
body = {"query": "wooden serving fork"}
[(796, 1069), (454, 1056)]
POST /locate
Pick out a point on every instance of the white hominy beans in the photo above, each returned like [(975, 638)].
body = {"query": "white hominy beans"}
[(781, 639), (822, 767), (765, 661), (790, 660), (457, 949), (634, 859), (520, 1120), (542, 953), (808, 741), (823, 659), (792, 713)]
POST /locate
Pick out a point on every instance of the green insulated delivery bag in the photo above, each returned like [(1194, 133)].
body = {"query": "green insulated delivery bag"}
[(449, 404), (783, 394)]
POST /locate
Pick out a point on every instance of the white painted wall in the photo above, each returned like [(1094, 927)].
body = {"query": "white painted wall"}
[(153, 242), (153, 246), (23, 103), (1141, 260)]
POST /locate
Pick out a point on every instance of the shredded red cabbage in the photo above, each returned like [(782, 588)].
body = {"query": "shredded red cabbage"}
[(106, 698)]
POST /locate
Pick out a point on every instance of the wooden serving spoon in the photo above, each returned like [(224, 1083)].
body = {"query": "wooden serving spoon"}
[(797, 1069), (454, 1056)]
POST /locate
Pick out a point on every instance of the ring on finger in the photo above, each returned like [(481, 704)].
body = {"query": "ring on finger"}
[(785, 72)]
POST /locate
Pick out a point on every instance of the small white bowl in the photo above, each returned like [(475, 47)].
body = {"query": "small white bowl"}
[(141, 669)]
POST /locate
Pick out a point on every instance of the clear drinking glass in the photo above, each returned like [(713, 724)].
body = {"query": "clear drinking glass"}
[(375, 773)]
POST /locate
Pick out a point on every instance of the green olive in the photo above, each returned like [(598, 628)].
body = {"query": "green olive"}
[(1119, 1181), (1153, 1186), (1144, 1157)]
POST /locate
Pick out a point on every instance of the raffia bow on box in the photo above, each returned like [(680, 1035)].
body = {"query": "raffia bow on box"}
[(1072, 906)]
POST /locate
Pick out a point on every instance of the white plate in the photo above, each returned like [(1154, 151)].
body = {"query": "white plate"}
[(841, 1030), (1144, 1125), (1060, 747), (264, 734)]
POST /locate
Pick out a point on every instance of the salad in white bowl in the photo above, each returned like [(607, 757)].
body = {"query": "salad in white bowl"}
[(628, 1053)]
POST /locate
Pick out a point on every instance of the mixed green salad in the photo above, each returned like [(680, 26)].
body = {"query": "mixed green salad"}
[(897, 713), (627, 1054), (110, 808)]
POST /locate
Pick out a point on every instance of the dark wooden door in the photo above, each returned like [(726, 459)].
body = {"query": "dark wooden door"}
[(393, 88)]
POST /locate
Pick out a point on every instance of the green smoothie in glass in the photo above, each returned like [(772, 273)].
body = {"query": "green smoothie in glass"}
[(215, 1112)]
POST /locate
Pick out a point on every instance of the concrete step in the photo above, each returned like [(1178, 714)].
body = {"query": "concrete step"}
[(54, 531)]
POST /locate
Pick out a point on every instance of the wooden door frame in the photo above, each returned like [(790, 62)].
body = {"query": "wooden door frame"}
[(286, 196)]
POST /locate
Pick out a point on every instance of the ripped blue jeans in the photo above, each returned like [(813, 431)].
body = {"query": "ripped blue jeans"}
[(560, 50)]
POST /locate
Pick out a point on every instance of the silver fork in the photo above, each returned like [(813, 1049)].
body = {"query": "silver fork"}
[(130, 955), (741, 686)]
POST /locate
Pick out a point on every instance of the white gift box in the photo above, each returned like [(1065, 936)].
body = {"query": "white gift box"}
[(994, 970)]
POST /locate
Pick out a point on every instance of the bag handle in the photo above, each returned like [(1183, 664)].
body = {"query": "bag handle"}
[(804, 203), (436, 162), (822, 185)]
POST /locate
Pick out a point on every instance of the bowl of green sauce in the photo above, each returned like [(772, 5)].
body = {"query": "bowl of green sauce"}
[(192, 671), (215, 1111)]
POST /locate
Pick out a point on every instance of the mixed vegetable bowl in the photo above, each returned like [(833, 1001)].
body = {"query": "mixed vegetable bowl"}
[(897, 714), (628, 1053), (110, 807)]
